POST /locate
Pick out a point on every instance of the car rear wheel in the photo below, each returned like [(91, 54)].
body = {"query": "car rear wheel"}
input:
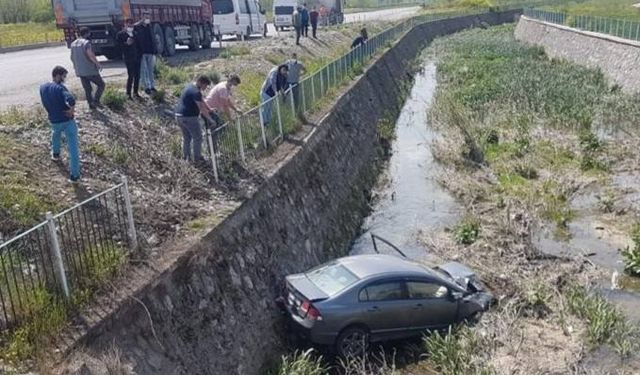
[(208, 37), (352, 342)]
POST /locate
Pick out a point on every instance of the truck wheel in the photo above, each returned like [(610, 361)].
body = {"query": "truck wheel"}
[(248, 33), (208, 38), (169, 41), (158, 37), (112, 54), (194, 43)]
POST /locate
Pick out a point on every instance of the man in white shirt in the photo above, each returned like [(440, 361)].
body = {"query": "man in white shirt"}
[(220, 99)]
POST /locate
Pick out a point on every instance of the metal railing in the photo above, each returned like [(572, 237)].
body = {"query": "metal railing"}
[(256, 132), (67, 254), (627, 29)]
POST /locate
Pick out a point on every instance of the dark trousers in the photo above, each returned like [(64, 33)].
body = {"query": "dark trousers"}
[(298, 32), (88, 89), (295, 90), (314, 28), (305, 30), (133, 75)]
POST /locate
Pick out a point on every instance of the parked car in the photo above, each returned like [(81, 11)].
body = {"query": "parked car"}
[(355, 300), (241, 18), (283, 13)]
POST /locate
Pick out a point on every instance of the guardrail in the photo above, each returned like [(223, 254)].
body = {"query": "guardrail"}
[(65, 257), (626, 29)]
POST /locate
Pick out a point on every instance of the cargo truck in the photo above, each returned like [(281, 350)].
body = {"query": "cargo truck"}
[(184, 22)]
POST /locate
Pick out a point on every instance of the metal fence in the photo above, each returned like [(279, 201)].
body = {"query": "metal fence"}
[(255, 133), (66, 255), (622, 28)]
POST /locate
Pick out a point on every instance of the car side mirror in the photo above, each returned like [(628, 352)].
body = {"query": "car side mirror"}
[(456, 296)]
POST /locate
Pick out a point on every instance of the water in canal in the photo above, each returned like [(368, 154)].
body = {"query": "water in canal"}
[(409, 197)]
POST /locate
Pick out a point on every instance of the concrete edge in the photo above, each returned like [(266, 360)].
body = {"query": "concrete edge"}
[(592, 34), (30, 47)]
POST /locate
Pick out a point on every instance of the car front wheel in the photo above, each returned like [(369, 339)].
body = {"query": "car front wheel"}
[(352, 342)]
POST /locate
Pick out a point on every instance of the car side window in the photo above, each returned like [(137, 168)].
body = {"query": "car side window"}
[(383, 292), (243, 6), (424, 290)]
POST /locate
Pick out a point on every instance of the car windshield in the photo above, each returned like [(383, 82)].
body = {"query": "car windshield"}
[(332, 278), (283, 10), (222, 6)]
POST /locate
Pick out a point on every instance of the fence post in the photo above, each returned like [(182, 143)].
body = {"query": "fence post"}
[(293, 104), (131, 226), (277, 100), (313, 86), (212, 154), (322, 81), (304, 94), (58, 265), (262, 124), (240, 142)]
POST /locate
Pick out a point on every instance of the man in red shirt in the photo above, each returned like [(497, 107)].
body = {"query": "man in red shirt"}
[(313, 17)]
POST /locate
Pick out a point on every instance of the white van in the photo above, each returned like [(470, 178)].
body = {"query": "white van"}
[(283, 13), (241, 18)]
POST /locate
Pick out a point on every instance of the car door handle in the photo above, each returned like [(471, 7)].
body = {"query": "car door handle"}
[(373, 309)]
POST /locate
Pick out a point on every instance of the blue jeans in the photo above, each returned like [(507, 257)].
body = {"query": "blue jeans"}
[(147, 64), (266, 108), (191, 135), (70, 129)]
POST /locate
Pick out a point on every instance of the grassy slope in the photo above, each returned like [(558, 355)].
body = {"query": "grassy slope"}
[(28, 33), (603, 8)]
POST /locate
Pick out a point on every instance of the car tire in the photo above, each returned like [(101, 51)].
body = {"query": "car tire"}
[(194, 43), (248, 34), (352, 342), (169, 41), (158, 38)]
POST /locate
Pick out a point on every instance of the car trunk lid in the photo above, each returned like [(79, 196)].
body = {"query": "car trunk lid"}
[(300, 293)]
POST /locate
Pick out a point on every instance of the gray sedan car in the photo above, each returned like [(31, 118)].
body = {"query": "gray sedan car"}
[(352, 301)]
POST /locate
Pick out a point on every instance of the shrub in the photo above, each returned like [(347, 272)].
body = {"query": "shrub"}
[(159, 96), (467, 231), (18, 116), (114, 99), (453, 353), (300, 363), (631, 254)]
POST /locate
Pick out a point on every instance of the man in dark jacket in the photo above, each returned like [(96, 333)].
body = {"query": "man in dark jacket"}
[(304, 18), (147, 48), (313, 17), (126, 39)]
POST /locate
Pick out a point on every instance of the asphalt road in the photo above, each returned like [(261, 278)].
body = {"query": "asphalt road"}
[(24, 71)]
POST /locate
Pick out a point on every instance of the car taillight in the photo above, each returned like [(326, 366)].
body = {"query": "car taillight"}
[(237, 19), (310, 311)]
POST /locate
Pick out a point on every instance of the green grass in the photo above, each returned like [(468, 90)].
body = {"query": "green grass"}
[(631, 254), (114, 99), (249, 89), (605, 323), (454, 352), (229, 52), (300, 363), (18, 116), (17, 34), (467, 231), (602, 8)]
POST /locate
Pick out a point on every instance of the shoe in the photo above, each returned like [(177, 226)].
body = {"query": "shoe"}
[(98, 104), (92, 106), (129, 97), (147, 91), (55, 157), (153, 90), (137, 96), (74, 180)]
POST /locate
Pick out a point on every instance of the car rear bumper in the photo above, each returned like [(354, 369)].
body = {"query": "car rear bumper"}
[(313, 331)]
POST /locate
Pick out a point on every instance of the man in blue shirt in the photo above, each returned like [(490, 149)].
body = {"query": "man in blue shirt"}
[(188, 111), (59, 103), (304, 18)]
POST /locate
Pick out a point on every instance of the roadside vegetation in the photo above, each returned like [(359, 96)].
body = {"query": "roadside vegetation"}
[(524, 140), (622, 9)]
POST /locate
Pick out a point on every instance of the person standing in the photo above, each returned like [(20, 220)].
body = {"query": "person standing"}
[(313, 18), (188, 111), (295, 68), (297, 24), (60, 104), (304, 19), (275, 82), (87, 67), (147, 49), (220, 99), (360, 40), (126, 39)]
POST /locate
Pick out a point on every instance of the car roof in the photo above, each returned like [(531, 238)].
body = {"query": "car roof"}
[(369, 265)]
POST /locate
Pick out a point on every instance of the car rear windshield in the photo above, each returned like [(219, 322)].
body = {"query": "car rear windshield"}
[(332, 278), (284, 11), (222, 6)]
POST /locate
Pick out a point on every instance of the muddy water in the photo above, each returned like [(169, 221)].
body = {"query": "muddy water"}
[(409, 196)]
